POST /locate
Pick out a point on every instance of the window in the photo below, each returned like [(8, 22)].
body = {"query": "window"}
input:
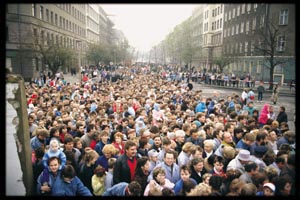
[(47, 15), (255, 6), (224, 35), (252, 48), (238, 10), (33, 10), (42, 12), (262, 21), (242, 27), (221, 23), (48, 38), (283, 17), (229, 15), (281, 43), (247, 27), (35, 34), (248, 7), (60, 21), (42, 37), (233, 13), (254, 24), (225, 17), (241, 47), (246, 48), (243, 8), (56, 19), (232, 30), (51, 17), (237, 29)]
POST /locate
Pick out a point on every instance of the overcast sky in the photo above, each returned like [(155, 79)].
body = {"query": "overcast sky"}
[(145, 25)]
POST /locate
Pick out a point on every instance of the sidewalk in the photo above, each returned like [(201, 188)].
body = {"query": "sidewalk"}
[(284, 90)]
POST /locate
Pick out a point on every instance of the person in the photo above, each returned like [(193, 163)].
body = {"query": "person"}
[(159, 180), (87, 167), (125, 165), (109, 175), (98, 181), (197, 169), (61, 182), (275, 94), (71, 185), (240, 161), (109, 151), (39, 140), (124, 189), (260, 90), (142, 171), (282, 116), (172, 171), (53, 151), (269, 189), (263, 116), (185, 173)]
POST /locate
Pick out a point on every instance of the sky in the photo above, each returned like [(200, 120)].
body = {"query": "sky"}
[(146, 25)]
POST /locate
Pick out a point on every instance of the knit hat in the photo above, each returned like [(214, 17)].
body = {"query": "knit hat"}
[(244, 155), (271, 186)]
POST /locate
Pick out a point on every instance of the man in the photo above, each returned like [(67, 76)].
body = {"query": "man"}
[(282, 116), (124, 189), (260, 90), (87, 138), (239, 161), (169, 165), (126, 164)]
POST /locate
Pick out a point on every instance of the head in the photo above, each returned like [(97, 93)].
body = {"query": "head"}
[(130, 148), (134, 189), (54, 145)]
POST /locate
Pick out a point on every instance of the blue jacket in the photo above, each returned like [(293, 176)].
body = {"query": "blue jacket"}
[(179, 184), (116, 190), (201, 107), (61, 188), (36, 143)]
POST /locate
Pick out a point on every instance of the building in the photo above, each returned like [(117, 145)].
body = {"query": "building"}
[(73, 26), (246, 35)]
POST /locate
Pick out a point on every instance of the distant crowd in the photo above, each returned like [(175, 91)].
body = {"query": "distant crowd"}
[(151, 133)]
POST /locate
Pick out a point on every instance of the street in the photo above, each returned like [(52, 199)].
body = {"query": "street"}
[(287, 101)]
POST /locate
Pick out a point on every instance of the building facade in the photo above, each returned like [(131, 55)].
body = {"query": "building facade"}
[(247, 37), (72, 26)]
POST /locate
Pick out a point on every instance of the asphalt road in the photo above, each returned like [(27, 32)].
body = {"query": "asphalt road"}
[(285, 100)]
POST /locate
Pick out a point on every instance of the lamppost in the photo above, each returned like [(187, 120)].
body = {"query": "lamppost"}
[(78, 48)]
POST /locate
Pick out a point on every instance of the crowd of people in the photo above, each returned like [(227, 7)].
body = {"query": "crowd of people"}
[(149, 135)]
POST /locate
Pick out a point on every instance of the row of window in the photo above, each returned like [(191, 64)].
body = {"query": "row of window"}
[(283, 14), (72, 11), (239, 10), (47, 38), (240, 47), (52, 18), (241, 28)]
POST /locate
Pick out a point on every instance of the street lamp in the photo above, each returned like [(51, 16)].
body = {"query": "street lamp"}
[(78, 48)]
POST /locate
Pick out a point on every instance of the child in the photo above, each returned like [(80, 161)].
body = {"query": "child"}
[(269, 189), (98, 181), (109, 174), (53, 151)]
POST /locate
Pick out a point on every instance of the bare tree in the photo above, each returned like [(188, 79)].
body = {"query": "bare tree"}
[(268, 46)]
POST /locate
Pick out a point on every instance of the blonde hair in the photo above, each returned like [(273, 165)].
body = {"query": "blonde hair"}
[(109, 148), (201, 189)]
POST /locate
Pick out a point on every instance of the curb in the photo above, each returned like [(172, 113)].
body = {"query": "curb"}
[(281, 93)]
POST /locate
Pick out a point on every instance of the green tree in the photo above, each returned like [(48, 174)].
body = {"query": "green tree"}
[(222, 62), (99, 53), (55, 56)]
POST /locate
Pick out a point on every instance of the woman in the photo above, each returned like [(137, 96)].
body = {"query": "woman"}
[(142, 171), (118, 143), (263, 116), (109, 151), (159, 181), (87, 167)]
